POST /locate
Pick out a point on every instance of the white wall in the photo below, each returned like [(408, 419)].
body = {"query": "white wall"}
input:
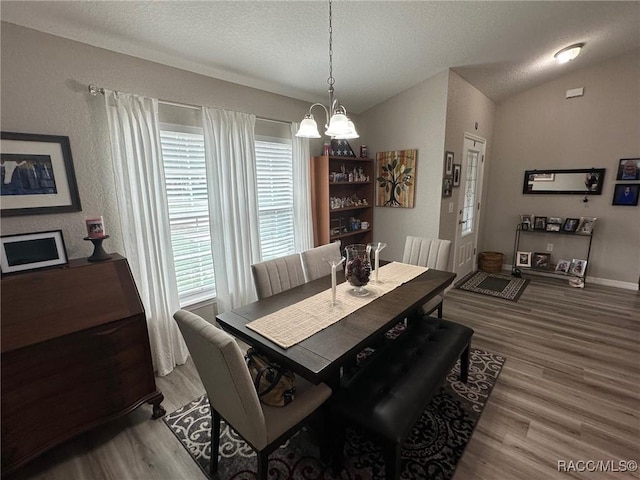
[(413, 119), (468, 111), (44, 90), (540, 129)]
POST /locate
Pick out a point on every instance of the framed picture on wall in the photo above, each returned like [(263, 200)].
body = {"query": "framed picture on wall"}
[(448, 163), (626, 194), (447, 187), (456, 174), (37, 175), (628, 169)]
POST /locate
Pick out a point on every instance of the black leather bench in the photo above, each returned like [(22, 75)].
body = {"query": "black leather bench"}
[(391, 390)]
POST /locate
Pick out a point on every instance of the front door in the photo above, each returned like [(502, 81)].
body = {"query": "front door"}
[(466, 241)]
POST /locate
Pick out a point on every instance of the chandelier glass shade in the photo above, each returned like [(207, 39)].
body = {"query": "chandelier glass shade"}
[(338, 125)]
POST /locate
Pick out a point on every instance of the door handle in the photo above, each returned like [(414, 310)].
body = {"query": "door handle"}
[(461, 222)]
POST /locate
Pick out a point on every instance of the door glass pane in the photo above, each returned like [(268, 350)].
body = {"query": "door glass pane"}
[(470, 184)]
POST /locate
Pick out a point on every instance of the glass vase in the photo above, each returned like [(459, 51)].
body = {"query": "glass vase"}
[(358, 268)]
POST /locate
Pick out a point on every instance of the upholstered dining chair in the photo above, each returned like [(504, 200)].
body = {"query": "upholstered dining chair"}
[(313, 264), (232, 396), (277, 275), (431, 253)]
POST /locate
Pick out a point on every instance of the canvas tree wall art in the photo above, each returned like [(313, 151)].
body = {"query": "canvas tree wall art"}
[(395, 178)]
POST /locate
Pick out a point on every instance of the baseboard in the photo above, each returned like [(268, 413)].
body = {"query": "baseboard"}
[(613, 283), (598, 281)]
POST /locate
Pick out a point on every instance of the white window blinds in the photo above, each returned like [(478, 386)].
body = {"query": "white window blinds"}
[(275, 197), (185, 176)]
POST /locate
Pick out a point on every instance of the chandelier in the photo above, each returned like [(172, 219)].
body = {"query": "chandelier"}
[(338, 124)]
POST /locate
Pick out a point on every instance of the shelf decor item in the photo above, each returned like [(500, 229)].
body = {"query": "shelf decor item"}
[(585, 227), (395, 177), (578, 267), (523, 259), (570, 224), (563, 266), (541, 261), (30, 251), (99, 253), (358, 268), (539, 223)]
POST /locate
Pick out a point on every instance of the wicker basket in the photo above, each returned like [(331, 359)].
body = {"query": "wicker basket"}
[(490, 262)]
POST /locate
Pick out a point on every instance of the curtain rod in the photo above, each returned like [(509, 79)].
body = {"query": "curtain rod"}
[(95, 90)]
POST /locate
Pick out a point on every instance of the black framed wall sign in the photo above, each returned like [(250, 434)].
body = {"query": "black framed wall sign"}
[(36, 175)]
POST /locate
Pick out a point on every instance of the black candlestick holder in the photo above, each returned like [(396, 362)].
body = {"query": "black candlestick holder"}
[(99, 254)]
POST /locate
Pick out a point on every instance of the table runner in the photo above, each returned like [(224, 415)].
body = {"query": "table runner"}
[(299, 321)]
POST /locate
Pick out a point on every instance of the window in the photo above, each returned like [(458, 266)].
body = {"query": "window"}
[(274, 180), (186, 184), (470, 185)]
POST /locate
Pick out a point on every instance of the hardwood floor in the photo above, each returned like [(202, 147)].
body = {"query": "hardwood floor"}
[(569, 391)]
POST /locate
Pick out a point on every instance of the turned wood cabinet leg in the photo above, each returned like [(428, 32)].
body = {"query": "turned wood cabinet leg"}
[(158, 410)]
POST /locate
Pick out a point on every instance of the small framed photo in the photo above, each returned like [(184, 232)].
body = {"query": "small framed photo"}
[(570, 224), (578, 267), (586, 224), (523, 259), (446, 187), (626, 194), (556, 220), (541, 261), (30, 251), (448, 163), (563, 266), (37, 175), (628, 169), (553, 227), (526, 222), (457, 168), (539, 223)]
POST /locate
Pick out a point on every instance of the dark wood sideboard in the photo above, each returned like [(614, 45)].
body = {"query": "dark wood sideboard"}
[(75, 354)]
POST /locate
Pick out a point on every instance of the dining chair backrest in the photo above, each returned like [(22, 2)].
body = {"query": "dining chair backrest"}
[(427, 252), (224, 373), (313, 260), (277, 275)]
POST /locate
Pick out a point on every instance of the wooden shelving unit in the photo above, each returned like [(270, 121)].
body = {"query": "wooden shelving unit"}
[(330, 224)]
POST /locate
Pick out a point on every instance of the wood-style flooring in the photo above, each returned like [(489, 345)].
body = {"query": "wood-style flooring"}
[(570, 391)]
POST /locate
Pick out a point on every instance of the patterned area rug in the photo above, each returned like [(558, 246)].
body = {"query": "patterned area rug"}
[(431, 452), (494, 284)]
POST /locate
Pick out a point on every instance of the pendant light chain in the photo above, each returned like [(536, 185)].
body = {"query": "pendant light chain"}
[(330, 80)]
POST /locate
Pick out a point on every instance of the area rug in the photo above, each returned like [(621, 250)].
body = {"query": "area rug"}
[(431, 452), (494, 284)]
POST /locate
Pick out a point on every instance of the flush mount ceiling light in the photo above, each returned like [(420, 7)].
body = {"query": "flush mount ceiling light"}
[(567, 54), (338, 124)]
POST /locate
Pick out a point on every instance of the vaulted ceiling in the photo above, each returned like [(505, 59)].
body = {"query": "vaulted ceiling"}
[(380, 48)]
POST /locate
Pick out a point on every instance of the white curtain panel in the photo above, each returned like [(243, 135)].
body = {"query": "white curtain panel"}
[(303, 227), (229, 142), (144, 220)]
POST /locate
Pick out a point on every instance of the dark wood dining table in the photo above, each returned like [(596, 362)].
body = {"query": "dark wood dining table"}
[(320, 357)]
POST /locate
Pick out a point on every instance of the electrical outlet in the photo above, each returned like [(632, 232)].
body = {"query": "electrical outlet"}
[(549, 247), (450, 207)]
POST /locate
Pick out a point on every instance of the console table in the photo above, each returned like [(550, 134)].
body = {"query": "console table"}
[(75, 354)]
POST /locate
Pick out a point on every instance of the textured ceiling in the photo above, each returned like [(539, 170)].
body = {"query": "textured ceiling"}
[(380, 47)]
